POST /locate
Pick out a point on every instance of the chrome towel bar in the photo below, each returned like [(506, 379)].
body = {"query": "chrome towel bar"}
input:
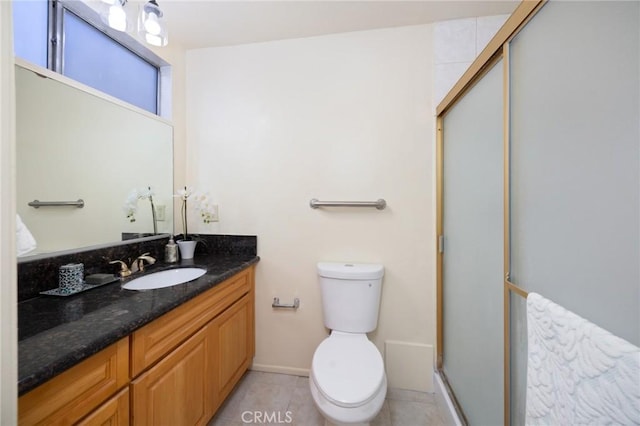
[(37, 204), (276, 304), (379, 204)]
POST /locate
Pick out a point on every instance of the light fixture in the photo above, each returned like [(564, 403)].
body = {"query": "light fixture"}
[(151, 26), (113, 14)]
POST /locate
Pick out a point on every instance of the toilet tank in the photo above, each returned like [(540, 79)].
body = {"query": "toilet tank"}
[(350, 295)]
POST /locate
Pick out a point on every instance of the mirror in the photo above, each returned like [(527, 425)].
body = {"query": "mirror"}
[(74, 144)]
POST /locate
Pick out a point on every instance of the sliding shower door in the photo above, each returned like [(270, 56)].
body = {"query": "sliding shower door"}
[(472, 286), (575, 169)]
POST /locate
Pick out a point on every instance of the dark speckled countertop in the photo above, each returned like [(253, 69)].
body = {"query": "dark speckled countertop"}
[(55, 333)]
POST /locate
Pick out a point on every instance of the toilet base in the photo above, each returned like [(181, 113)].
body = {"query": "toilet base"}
[(331, 412)]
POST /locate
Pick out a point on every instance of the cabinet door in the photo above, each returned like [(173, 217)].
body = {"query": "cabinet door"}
[(156, 339), (73, 394), (178, 390), (114, 412), (234, 342)]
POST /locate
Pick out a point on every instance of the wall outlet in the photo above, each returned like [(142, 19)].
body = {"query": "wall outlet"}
[(161, 212), (215, 216)]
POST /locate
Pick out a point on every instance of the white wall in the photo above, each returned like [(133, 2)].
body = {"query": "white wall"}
[(342, 117)]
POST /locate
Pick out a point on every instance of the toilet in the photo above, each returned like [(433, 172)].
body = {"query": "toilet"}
[(347, 380)]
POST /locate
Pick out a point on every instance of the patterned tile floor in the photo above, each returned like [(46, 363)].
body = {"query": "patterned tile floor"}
[(266, 398)]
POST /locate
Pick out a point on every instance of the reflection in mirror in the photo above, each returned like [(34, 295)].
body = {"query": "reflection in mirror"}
[(74, 144)]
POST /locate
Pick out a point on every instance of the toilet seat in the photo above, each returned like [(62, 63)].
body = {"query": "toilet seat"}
[(347, 369)]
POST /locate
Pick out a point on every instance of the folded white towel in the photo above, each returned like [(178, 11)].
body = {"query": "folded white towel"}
[(577, 372), (25, 242)]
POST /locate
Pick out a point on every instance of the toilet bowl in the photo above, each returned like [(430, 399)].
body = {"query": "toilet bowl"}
[(347, 380), (348, 383)]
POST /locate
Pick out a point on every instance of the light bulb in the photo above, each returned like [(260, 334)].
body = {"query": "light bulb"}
[(117, 18), (152, 25), (153, 40)]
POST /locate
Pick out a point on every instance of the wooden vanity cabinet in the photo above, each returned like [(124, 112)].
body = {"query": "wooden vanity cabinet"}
[(114, 412), (177, 390), (174, 371), (184, 380), (233, 346), (75, 393)]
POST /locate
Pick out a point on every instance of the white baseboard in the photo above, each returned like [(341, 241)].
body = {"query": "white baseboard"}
[(445, 403), (265, 368)]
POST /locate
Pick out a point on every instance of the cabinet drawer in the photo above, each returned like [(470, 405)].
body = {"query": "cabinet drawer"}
[(153, 341), (73, 394), (114, 412)]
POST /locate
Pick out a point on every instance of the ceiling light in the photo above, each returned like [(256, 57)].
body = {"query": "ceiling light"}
[(151, 25), (114, 15)]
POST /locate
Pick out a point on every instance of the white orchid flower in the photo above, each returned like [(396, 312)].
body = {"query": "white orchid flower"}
[(184, 193), (145, 193)]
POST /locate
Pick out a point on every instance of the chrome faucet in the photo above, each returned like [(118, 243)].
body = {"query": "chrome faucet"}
[(136, 265)]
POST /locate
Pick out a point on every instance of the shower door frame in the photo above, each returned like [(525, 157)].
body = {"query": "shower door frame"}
[(496, 49)]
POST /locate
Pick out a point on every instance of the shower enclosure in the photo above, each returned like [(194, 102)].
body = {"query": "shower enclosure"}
[(538, 191)]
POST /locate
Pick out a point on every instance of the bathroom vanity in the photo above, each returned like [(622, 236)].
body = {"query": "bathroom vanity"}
[(118, 356)]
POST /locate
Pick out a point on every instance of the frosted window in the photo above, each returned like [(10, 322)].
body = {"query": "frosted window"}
[(473, 256), (89, 56), (30, 22), (575, 161)]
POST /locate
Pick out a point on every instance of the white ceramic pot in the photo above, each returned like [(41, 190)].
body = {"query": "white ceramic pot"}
[(187, 248)]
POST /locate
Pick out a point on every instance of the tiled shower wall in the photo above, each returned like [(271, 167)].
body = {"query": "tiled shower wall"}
[(456, 45)]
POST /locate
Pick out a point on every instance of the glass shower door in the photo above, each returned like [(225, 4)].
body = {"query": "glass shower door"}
[(473, 250)]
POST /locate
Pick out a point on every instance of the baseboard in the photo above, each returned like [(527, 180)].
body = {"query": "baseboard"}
[(265, 368), (445, 403)]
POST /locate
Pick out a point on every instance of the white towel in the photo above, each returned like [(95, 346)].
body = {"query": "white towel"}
[(25, 242), (577, 372)]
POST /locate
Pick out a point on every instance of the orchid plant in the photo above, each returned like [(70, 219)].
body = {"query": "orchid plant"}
[(202, 205), (131, 204)]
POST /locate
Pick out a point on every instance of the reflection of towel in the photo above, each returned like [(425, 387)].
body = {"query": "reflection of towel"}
[(578, 373), (24, 240)]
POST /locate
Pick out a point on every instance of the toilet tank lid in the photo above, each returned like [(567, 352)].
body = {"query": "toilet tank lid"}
[(350, 271)]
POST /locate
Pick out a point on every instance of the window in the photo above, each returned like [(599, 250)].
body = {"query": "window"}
[(68, 37), (30, 29)]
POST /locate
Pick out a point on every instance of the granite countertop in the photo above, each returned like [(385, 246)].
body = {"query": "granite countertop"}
[(55, 333)]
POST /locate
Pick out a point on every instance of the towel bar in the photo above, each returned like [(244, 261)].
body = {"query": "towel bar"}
[(37, 204), (379, 204)]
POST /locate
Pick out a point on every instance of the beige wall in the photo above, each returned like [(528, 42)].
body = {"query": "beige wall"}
[(344, 117), (8, 286)]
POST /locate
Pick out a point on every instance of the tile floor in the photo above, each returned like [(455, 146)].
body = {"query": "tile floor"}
[(287, 400)]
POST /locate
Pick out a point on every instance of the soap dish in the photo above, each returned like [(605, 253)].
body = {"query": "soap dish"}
[(102, 280)]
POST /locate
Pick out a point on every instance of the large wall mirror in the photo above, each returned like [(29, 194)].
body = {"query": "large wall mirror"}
[(75, 144)]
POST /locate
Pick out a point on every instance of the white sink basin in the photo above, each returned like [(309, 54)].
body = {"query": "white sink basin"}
[(167, 278)]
